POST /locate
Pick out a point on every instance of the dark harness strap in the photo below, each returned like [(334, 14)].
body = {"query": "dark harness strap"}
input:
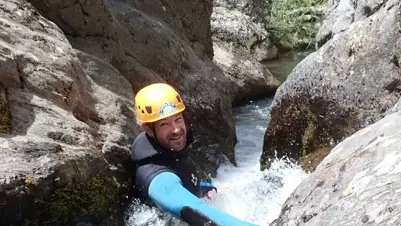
[(149, 160)]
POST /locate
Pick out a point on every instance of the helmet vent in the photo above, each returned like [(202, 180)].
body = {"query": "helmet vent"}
[(149, 109), (178, 98)]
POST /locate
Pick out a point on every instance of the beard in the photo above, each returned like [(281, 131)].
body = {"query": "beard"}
[(177, 142)]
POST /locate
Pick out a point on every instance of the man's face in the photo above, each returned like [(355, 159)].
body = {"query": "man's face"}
[(171, 132)]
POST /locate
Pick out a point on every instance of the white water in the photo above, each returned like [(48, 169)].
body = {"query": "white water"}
[(247, 192)]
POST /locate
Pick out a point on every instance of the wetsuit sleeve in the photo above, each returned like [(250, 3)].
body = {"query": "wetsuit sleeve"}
[(144, 176), (167, 192)]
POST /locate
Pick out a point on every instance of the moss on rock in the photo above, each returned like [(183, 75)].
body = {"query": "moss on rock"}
[(5, 113), (310, 131), (95, 198), (311, 161)]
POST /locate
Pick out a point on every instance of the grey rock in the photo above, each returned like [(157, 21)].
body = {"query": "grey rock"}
[(349, 83), (356, 184), (252, 78), (397, 107), (234, 27), (240, 43), (71, 115), (341, 14), (257, 10)]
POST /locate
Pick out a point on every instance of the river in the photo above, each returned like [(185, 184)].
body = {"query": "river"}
[(248, 193)]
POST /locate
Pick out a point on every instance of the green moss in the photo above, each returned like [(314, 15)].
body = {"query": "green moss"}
[(5, 113), (30, 223), (310, 131), (295, 22), (92, 198), (28, 180)]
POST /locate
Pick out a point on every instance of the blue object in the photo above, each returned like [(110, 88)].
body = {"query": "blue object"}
[(167, 192), (207, 186)]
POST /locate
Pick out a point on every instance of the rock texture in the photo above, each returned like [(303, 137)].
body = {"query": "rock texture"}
[(253, 79), (240, 43), (149, 41), (356, 184), (257, 10), (397, 107), (341, 14), (347, 84), (66, 124), (231, 25)]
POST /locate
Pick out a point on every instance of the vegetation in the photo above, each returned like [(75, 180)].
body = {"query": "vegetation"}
[(295, 22), (94, 199)]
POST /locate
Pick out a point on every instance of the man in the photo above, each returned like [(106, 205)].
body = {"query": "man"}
[(165, 175)]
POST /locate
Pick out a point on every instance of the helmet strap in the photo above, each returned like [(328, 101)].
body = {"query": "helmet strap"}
[(152, 126)]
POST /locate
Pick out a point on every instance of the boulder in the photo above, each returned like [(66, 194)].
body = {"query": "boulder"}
[(236, 28), (349, 83), (153, 41), (257, 10), (358, 183), (66, 121), (240, 43), (253, 79), (340, 14)]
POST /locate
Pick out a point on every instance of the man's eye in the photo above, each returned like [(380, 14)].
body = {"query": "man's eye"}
[(163, 124), (178, 119)]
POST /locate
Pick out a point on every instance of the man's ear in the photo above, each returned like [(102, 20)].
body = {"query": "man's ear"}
[(148, 129)]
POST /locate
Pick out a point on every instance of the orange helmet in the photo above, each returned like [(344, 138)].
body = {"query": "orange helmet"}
[(157, 101)]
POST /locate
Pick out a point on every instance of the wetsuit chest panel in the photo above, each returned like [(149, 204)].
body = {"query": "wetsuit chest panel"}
[(185, 170), (151, 161)]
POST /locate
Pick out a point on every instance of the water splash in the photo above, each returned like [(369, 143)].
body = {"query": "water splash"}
[(245, 191)]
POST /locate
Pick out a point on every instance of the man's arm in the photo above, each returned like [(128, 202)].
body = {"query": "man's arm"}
[(167, 192)]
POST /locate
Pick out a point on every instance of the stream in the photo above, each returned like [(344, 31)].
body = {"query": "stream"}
[(246, 192)]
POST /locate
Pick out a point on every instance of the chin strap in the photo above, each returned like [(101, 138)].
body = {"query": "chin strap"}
[(152, 126)]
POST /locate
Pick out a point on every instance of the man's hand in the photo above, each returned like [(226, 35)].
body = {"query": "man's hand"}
[(210, 193)]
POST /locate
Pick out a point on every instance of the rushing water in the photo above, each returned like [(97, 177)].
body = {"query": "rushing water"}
[(247, 193)]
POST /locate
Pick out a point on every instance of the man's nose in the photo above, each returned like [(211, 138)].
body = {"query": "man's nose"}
[(175, 128)]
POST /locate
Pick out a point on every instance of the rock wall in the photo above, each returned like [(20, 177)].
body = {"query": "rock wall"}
[(257, 10), (349, 83), (66, 120), (341, 14), (356, 184), (240, 44)]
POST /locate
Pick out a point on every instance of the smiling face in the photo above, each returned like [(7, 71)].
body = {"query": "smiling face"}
[(171, 132)]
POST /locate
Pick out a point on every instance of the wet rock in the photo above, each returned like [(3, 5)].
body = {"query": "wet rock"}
[(153, 41), (341, 14), (65, 150), (347, 84), (311, 161), (361, 176)]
